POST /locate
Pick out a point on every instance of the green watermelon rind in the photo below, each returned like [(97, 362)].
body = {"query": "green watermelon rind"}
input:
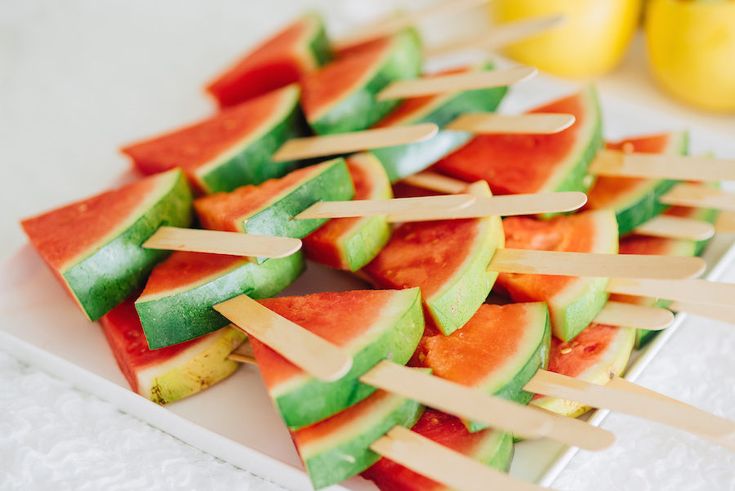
[(308, 400), (251, 161), (320, 48), (181, 315), (361, 109), (365, 242), (353, 456), (577, 314), (114, 271)]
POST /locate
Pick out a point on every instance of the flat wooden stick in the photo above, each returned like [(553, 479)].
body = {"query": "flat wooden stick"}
[(216, 242), (442, 464), (458, 82), (357, 141), (724, 313), (529, 261), (616, 163), (690, 291), (390, 25), (436, 182), (510, 205), (725, 222), (699, 196), (364, 208), (672, 227), (499, 36), (638, 316), (244, 353), (301, 347), (528, 124)]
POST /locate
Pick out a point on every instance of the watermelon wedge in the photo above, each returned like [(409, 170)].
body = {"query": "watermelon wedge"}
[(492, 448), (596, 355), (94, 245), (230, 149), (635, 201), (339, 447), (573, 302), (173, 373), (515, 164), (176, 305), (351, 243), (284, 58), (372, 325), (447, 259), (404, 160), (498, 351), (269, 209), (341, 96)]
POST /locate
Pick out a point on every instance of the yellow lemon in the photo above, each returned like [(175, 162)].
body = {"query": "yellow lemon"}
[(591, 41), (691, 45)]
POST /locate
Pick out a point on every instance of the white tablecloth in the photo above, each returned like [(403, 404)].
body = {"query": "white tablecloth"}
[(79, 78)]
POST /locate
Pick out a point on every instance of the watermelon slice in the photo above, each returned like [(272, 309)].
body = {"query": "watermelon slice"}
[(498, 351), (404, 160), (372, 325), (269, 209), (284, 58), (168, 374), (447, 259), (363, 73), (94, 245), (573, 302), (492, 448), (635, 201), (351, 243), (515, 164), (339, 447), (596, 355), (229, 149), (176, 305)]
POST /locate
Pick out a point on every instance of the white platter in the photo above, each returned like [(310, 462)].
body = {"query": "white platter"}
[(235, 420)]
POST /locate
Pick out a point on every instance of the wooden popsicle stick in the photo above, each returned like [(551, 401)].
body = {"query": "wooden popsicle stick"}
[(672, 227), (216, 242), (244, 353), (725, 222), (442, 464), (699, 196), (690, 291), (436, 182), (499, 35), (365, 208), (638, 316), (724, 313), (528, 261), (420, 87), (509, 205), (356, 141), (390, 25), (300, 346), (616, 163), (528, 124)]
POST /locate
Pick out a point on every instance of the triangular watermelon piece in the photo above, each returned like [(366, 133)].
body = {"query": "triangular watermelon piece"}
[(596, 355), (372, 325), (516, 164), (173, 373), (404, 160), (229, 149), (269, 209), (94, 245), (635, 201), (351, 243), (573, 302), (498, 351), (339, 447), (447, 259), (341, 96), (176, 305), (492, 448), (284, 58)]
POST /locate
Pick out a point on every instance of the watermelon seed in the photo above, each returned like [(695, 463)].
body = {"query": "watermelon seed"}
[(566, 351)]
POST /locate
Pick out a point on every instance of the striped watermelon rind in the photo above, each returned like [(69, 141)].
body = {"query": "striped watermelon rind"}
[(186, 312)]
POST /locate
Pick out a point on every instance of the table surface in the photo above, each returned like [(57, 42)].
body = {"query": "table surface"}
[(79, 78)]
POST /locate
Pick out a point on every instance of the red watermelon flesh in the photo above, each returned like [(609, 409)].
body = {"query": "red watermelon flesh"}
[(490, 447), (278, 61), (185, 268)]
